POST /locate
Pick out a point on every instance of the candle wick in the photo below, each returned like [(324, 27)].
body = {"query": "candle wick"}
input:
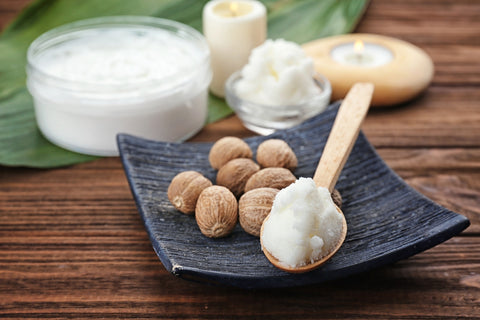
[(234, 9), (359, 56)]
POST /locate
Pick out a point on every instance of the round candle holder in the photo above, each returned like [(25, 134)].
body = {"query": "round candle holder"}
[(266, 119), (397, 79)]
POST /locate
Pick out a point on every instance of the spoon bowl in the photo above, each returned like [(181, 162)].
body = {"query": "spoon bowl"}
[(343, 135), (314, 265)]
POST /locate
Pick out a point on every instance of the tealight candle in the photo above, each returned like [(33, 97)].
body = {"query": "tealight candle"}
[(398, 69), (362, 54), (232, 30)]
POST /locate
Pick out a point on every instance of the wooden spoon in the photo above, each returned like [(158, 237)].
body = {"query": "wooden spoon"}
[(344, 133)]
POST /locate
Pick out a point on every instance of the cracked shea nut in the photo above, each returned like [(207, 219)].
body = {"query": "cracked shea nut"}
[(185, 189), (216, 212), (276, 153), (277, 178), (226, 149), (235, 173), (253, 207)]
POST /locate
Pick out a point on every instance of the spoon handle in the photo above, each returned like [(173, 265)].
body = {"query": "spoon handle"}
[(344, 133)]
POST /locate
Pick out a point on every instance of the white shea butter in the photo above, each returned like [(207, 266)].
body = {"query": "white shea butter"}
[(303, 226), (278, 73), (120, 56)]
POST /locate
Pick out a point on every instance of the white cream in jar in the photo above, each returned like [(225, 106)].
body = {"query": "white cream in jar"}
[(303, 225), (278, 73), (96, 78)]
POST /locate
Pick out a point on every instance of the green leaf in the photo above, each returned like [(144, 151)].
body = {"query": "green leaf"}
[(22, 144), (217, 109), (303, 21)]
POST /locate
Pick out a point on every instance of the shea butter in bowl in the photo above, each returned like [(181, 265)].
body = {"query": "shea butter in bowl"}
[(93, 79), (277, 89)]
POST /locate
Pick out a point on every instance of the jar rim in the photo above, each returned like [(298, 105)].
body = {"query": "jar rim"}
[(58, 34)]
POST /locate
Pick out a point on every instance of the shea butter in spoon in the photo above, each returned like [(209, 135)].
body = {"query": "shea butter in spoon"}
[(304, 228)]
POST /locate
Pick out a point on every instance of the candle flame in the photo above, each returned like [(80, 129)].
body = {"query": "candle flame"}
[(358, 46), (234, 8)]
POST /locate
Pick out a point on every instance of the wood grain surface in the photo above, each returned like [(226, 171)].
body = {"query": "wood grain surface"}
[(73, 246)]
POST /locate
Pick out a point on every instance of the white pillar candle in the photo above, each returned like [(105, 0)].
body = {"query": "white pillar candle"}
[(232, 30)]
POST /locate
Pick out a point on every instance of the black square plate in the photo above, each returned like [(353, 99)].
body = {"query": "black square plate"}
[(387, 219)]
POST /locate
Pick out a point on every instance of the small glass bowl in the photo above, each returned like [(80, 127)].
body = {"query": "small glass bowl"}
[(264, 119)]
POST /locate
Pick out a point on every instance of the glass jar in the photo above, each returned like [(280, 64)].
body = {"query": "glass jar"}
[(95, 78), (266, 119)]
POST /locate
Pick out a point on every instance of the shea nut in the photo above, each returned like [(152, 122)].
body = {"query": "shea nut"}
[(235, 173), (216, 212), (277, 178), (185, 188), (226, 149), (253, 207), (276, 153)]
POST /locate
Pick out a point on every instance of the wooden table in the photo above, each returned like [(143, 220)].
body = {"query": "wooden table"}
[(72, 244)]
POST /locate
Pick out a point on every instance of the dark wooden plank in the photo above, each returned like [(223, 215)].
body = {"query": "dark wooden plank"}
[(442, 117), (418, 161), (73, 246), (425, 22), (103, 280), (450, 177), (457, 192), (463, 70)]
